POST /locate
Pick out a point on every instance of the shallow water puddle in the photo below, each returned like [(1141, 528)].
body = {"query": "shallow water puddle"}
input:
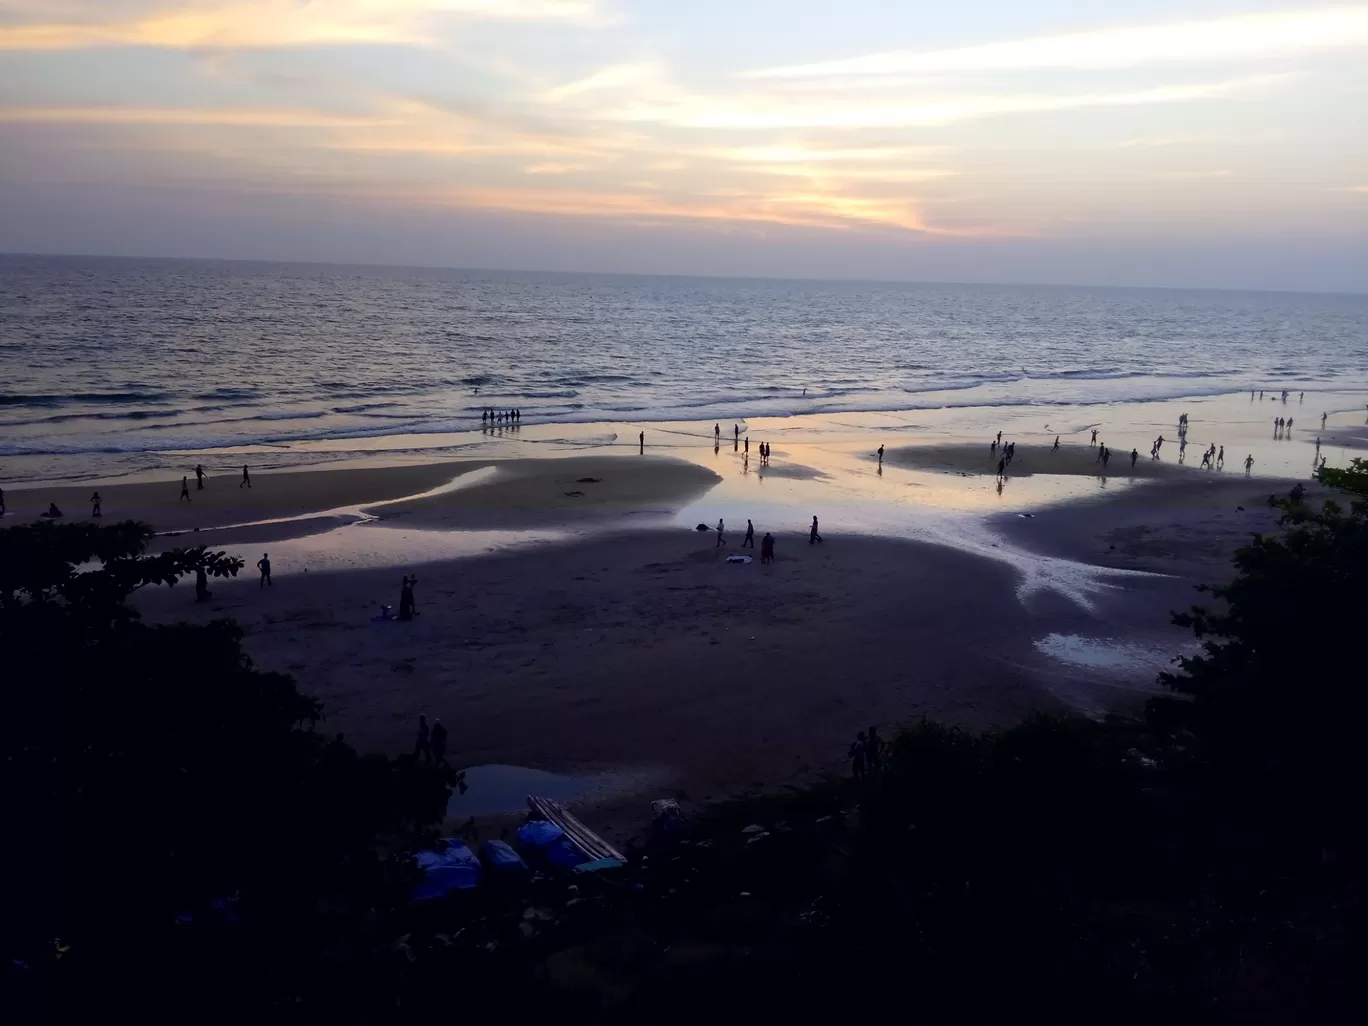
[(1102, 653), (497, 789)]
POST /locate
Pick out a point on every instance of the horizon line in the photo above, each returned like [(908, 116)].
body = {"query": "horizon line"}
[(696, 277)]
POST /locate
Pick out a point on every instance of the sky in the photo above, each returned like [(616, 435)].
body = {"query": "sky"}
[(1201, 143)]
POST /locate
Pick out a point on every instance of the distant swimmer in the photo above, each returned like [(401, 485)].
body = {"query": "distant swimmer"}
[(95, 505), (1249, 462), (246, 481), (185, 489)]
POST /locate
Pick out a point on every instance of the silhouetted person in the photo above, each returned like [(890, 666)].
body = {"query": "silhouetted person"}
[(1220, 459), (52, 511), (185, 489), (767, 548), (201, 585), (1056, 445), (736, 432), (1323, 416), (438, 740), (881, 450), (721, 538), (1002, 468), (95, 505), (264, 565), (422, 747), (859, 754), (999, 438), (406, 599), (992, 448), (199, 477), (641, 441), (749, 540), (1094, 437), (1135, 455), (1106, 457), (1289, 423), (246, 481), (814, 537), (1249, 462), (874, 746), (717, 435)]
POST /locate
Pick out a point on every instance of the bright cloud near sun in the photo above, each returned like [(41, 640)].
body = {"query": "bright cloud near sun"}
[(861, 120)]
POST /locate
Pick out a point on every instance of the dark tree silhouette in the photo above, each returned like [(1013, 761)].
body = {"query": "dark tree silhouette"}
[(180, 826)]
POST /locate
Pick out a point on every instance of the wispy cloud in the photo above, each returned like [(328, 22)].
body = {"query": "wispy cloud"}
[(224, 117), (80, 24), (761, 112), (1243, 36)]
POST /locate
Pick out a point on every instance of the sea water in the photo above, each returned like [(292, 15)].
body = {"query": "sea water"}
[(115, 366)]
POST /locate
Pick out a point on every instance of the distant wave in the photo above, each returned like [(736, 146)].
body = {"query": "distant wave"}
[(81, 397)]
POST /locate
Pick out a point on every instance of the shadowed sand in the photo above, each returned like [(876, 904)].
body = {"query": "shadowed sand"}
[(1073, 460), (525, 491)]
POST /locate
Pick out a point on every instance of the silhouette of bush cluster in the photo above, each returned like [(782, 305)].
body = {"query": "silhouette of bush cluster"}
[(1201, 859)]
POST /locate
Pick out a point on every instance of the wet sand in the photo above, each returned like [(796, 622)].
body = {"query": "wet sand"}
[(1072, 460), (524, 492)]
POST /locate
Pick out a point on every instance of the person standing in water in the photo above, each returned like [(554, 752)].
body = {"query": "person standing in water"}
[(750, 536), (246, 478), (199, 477), (1002, 468), (747, 450), (717, 433), (185, 489), (95, 505), (264, 565), (814, 537)]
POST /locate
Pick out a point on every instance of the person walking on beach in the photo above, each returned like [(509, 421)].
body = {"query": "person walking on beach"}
[(406, 599), (717, 434), (999, 438), (749, 541), (859, 753), (747, 445), (1106, 458), (1056, 445), (736, 432), (246, 481), (721, 538), (1249, 462), (881, 450), (264, 565), (1099, 452), (992, 449), (438, 741), (185, 489), (1135, 455), (1323, 416), (874, 746), (95, 505), (1220, 458), (767, 548), (422, 747), (1002, 468), (814, 537), (199, 477), (641, 441), (1011, 452), (1289, 424)]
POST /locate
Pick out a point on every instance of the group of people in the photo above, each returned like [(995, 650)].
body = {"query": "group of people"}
[(1282, 428), (432, 742), (245, 482), (1213, 458), (766, 543), (866, 753), (488, 416)]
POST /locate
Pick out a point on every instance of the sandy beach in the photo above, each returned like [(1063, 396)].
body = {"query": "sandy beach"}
[(619, 644)]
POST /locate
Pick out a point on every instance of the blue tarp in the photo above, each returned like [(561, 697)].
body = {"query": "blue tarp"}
[(454, 869)]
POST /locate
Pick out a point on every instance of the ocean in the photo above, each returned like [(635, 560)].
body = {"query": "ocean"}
[(113, 366)]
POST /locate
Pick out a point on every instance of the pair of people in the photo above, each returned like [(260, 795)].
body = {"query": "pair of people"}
[(432, 742), (866, 752)]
